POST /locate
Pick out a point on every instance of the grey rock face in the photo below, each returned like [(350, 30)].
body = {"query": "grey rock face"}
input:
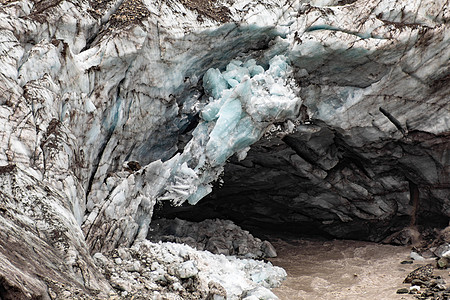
[(442, 250), (216, 236)]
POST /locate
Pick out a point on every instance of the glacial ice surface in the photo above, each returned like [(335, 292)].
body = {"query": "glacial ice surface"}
[(238, 278), (74, 109), (244, 100)]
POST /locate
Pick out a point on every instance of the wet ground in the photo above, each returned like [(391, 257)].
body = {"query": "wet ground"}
[(339, 269)]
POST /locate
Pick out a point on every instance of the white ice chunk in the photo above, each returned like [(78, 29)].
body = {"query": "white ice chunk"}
[(416, 256), (245, 101), (278, 66), (214, 83), (241, 155), (187, 269), (277, 90), (201, 192), (90, 107)]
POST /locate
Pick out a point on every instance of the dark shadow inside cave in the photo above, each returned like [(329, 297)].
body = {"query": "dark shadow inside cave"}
[(317, 183)]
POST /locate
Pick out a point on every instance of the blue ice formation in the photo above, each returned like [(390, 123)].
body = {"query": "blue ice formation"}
[(244, 100)]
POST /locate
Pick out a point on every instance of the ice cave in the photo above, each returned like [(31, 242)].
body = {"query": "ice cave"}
[(230, 149)]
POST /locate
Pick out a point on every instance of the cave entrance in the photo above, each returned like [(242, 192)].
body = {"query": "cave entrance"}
[(256, 194), (321, 204), (313, 183)]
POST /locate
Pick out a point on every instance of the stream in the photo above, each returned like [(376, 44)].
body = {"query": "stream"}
[(343, 269)]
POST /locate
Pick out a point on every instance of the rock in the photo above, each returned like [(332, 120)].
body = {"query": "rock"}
[(218, 245), (414, 289), (418, 282), (427, 254), (67, 294), (423, 273), (443, 263), (405, 236), (177, 286), (133, 166), (416, 256), (436, 281), (124, 254), (187, 270), (252, 297), (214, 235), (445, 234), (121, 284), (216, 291), (100, 259), (134, 266), (259, 293), (403, 291), (269, 249), (427, 293), (442, 249)]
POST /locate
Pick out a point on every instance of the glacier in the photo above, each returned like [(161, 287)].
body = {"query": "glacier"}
[(319, 114)]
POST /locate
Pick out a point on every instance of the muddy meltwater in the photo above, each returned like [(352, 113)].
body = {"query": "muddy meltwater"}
[(341, 269)]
